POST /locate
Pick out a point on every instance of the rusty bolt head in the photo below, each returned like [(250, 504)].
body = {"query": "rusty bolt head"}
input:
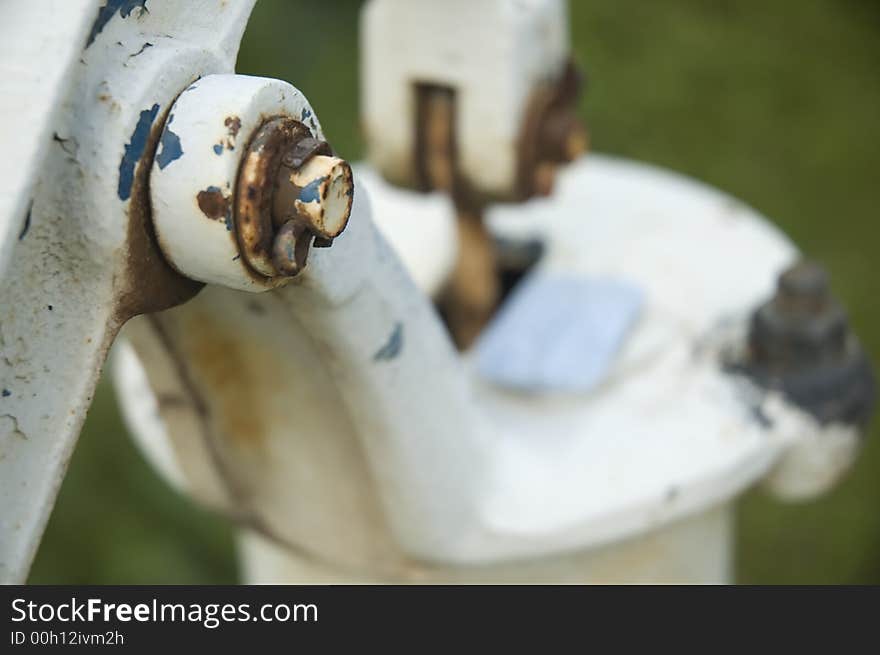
[(303, 150), (291, 248), (290, 191), (324, 188)]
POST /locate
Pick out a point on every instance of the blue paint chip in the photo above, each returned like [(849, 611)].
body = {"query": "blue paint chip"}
[(134, 149), (558, 333), (310, 191), (169, 146), (393, 346), (306, 113), (218, 148), (105, 13)]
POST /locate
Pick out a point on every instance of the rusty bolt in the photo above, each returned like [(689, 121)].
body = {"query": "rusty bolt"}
[(802, 325), (291, 190), (290, 249), (317, 194)]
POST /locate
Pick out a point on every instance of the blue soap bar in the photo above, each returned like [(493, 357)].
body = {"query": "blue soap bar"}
[(558, 333)]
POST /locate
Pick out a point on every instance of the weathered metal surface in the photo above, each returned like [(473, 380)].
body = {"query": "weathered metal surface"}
[(312, 200), (290, 249), (39, 46), (432, 471), (247, 362), (256, 190), (421, 467), (494, 55), (88, 259), (220, 205), (325, 190), (551, 134), (473, 287), (435, 141)]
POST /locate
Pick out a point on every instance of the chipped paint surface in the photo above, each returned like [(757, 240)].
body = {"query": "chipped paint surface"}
[(433, 515), (523, 477), (233, 124), (109, 10), (142, 49), (391, 349), (27, 222), (39, 42), (319, 191), (215, 205), (491, 476), (169, 145), (265, 458), (307, 116), (134, 149), (214, 120), (312, 191), (86, 261), (487, 149)]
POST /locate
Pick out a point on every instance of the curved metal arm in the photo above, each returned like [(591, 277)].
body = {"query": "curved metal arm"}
[(83, 259)]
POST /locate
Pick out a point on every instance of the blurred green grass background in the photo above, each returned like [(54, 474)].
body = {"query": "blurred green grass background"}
[(777, 103)]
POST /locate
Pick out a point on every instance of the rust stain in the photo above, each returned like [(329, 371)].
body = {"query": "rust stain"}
[(213, 203), (254, 223), (149, 283), (232, 374), (233, 124), (551, 134)]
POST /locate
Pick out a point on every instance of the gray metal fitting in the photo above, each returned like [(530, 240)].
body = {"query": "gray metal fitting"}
[(800, 343)]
